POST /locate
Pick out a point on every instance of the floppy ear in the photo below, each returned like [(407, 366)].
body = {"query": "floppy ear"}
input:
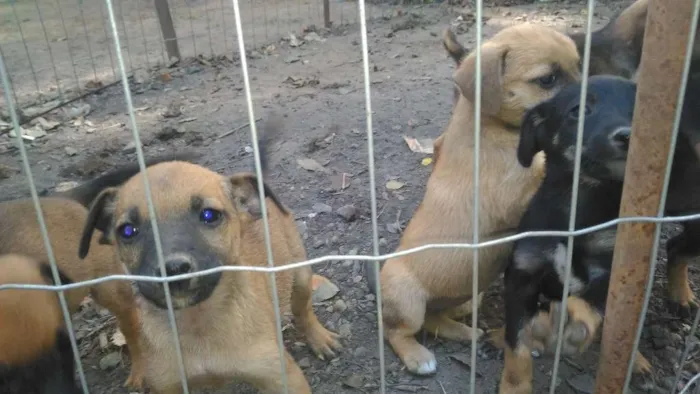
[(99, 217), (531, 133), (492, 68), (244, 190)]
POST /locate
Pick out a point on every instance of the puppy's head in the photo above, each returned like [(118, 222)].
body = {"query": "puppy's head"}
[(521, 66), (200, 217), (616, 49), (552, 127)]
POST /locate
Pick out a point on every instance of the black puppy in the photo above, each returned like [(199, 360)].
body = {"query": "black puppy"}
[(538, 265)]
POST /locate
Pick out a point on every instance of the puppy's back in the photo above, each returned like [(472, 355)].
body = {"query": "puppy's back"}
[(20, 233), (35, 352)]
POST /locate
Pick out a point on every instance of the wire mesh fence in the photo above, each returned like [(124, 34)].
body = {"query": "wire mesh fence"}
[(59, 50), (128, 36)]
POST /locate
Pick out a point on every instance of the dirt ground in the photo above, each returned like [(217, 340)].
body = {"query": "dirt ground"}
[(318, 87)]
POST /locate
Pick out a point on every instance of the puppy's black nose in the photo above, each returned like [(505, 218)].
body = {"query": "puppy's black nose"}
[(177, 267), (621, 138)]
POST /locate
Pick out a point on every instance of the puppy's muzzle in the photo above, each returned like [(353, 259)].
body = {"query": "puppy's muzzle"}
[(179, 265), (620, 139)]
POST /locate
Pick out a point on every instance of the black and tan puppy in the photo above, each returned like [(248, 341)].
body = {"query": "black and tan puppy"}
[(225, 320), (538, 264), (522, 66), (35, 351), (65, 215)]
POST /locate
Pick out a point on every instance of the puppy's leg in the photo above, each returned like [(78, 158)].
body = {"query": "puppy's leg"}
[(118, 298), (404, 305), (322, 341), (681, 249), (443, 326), (517, 372), (464, 310), (520, 297), (262, 370)]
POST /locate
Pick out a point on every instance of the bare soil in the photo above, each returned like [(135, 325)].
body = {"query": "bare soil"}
[(318, 87)]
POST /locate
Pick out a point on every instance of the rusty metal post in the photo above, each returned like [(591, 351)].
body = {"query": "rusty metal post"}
[(659, 78), (327, 14), (167, 28)]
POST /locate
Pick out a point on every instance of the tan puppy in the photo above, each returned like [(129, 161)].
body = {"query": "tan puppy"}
[(225, 320), (35, 351), (522, 65), (65, 215)]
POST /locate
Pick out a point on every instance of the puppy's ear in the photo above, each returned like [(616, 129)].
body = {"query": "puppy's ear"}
[(99, 217), (452, 46), (244, 193), (492, 68), (630, 23), (531, 134)]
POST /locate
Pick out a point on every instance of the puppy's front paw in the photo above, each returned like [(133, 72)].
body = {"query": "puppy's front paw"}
[(420, 361), (135, 380), (323, 342), (581, 324)]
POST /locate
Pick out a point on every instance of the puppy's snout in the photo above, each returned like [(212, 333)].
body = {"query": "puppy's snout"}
[(178, 266), (620, 138)]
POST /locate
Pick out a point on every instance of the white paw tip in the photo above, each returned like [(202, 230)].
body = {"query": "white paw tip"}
[(427, 367)]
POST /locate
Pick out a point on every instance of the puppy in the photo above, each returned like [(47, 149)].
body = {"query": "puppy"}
[(65, 214), (35, 351), (225, 320), (538, 264), (616, 49), (522, 66)]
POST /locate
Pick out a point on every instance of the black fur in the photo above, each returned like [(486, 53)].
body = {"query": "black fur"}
[(86, 193), (51, 373)]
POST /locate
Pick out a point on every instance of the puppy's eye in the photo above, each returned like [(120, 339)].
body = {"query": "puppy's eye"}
[(127, 231), (573, 112), (548, 81), (209, 216)]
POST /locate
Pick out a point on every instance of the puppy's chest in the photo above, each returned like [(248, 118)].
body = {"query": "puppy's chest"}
[(207, 352)]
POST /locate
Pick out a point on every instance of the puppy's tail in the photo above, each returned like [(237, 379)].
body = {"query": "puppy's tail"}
[(86, 193), (453, 47), (267, 135)]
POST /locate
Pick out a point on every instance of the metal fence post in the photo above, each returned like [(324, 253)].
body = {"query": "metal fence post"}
[(327, 14), (660, 76), (167, 28)]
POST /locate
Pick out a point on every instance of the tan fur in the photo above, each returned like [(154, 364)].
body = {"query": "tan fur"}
[(416, 283), (64, 218), (517, 372), (30, 318), (678, 285), (231, 335)]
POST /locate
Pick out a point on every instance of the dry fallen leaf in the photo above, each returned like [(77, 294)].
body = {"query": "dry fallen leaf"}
[(426, 161), (323, 289), (103, 340), (424, 145), (394, 185), (340, 181), (118, 338), (312, 165)]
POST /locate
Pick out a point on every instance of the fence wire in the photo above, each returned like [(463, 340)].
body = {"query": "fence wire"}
[(123, 75)]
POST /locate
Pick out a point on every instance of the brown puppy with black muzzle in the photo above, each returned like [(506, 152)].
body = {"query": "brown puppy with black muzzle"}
[(226, 320), (65, 214), (522, 66)]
